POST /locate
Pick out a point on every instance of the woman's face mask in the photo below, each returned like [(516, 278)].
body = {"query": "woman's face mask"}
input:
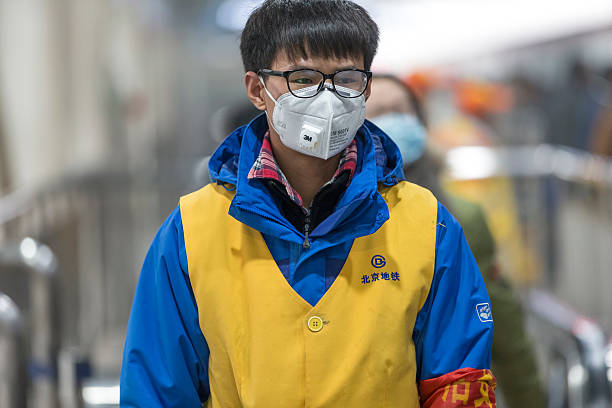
[(406, 131)]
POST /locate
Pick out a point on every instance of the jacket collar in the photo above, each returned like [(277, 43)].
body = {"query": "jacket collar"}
[(360, 211)]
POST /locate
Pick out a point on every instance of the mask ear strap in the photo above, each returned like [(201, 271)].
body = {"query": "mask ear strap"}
[(266, 88)]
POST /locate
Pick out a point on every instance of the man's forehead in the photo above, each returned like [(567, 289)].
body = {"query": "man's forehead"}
[(285, 62)]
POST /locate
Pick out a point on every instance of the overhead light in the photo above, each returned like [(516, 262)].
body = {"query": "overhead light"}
[(419, 34), (101, 395), (28, 248), (472, 162)]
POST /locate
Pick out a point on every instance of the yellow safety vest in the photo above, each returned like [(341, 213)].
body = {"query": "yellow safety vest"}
[(270, 348)]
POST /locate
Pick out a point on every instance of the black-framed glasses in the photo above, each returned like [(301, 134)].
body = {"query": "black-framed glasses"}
[(306, 83)]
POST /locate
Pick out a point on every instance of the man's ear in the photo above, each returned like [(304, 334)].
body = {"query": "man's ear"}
[(254, 90), (368, 90)]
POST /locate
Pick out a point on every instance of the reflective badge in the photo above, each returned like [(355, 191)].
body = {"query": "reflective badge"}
[(483, 310)]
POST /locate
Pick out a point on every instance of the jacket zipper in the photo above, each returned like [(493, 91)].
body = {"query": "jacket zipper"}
[(306, 243)]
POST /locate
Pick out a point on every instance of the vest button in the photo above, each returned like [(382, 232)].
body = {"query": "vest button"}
[(315, 324)]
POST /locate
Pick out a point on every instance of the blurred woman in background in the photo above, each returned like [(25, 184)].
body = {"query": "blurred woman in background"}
[(398, 111)]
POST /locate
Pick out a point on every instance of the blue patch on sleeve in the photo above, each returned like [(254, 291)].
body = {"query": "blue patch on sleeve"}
[(483, 310)]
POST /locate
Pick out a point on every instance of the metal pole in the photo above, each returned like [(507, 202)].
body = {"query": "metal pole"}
[(12, 373), (40, 262), (583, 345)]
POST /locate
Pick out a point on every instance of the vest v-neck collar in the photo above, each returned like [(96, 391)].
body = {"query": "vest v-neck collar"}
[(360, 211)]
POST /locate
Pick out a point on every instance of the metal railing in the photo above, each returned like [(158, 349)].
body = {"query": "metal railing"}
[(98, 226), (572, 351), (564, 163), (28, 269), (12, 359), (563, 202)]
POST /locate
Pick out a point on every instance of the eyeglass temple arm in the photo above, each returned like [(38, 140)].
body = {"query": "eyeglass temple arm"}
[(272, 72)]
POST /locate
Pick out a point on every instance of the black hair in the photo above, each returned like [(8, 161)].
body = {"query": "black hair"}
[(307, 28), (413, 98)]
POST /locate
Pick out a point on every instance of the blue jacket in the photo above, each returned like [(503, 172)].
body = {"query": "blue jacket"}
[(165, 360)]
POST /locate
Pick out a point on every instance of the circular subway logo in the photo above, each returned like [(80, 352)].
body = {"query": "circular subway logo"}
[(378, 261)]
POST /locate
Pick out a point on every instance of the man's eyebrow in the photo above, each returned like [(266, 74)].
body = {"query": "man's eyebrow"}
[(294, 67), (346, 67)]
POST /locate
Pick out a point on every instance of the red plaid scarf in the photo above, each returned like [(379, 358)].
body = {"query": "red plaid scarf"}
[(265, 167)]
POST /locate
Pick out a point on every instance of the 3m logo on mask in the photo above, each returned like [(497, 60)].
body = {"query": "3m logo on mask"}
[(309, 137)]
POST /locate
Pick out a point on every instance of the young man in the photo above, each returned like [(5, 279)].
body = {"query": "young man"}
[(308, 274)]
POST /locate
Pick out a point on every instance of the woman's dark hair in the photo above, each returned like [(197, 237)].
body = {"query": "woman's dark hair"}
[(307, 28), (413, 98)]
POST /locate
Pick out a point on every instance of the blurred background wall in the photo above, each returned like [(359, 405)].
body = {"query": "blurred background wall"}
[(108, 109)]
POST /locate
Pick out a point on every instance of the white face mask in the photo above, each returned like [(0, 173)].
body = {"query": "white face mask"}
[(321, 126)]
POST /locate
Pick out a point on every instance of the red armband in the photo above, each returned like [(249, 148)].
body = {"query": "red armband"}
[(466, 387)]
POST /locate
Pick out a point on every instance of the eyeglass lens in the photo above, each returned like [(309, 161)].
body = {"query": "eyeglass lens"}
[(306, 78)]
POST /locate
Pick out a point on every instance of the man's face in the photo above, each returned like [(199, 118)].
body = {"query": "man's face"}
[(387, 97), (278, 85)]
